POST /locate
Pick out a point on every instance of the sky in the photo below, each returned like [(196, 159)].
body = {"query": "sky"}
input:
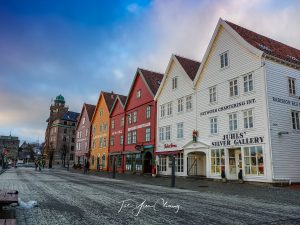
[(78, 48)]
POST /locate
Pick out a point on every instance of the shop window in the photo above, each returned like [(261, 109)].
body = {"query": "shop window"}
[(224, 60), (213, 94), (254, 161), (103, 162), (179, 162), (128, 162), (248, 119), (162, 163), (138, 162), (217, 161), (119, 161), (292, 86), (295, 120), (248, 83)]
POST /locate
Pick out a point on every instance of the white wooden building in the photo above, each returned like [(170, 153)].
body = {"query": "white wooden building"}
[(176, 114), (248, 106)]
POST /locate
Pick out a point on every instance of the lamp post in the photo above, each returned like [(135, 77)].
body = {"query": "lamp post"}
[(173, 172), (114, 167)]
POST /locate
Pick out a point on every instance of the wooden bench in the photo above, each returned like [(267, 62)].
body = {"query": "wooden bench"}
[(8, 197), (8, 222)]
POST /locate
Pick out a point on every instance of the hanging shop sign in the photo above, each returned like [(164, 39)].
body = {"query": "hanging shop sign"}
[(285, 101), (139, 126), (237, 139), (227, 107), (117, 132), (170, 146)]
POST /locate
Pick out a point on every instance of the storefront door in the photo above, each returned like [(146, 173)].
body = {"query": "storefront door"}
[(235, 163)]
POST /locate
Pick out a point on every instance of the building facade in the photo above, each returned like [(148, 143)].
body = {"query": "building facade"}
[(116, 134), (140, 122), (9, 146), (176, 119), (83, 130), (100, 131)]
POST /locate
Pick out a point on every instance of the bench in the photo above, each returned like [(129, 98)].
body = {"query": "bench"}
[(8, 222), (8, 197)]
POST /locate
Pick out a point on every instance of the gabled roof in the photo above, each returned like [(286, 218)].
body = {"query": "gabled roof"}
[(70, 116), (190, 66), (90, 110), (122, 99), (109, 98), (268, 45)]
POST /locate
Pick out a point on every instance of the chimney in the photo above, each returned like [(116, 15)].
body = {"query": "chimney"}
[(112, 95)]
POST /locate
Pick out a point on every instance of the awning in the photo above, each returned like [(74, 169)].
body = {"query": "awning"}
[(115, 153), (168, 152)]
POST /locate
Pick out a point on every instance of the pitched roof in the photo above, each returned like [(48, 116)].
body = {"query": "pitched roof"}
[(268, 45), (123, 98), (190, 66), (109, 98), (71, 116), (153, 79), (90, 110)]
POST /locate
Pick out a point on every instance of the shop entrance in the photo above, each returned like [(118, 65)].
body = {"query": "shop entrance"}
[(196, 164), (148, 163), (235, 162)]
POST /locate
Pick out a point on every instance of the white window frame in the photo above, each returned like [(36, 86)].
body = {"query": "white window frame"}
[(129, 138), (147, 134), (161, 134), (213, 94), (134, 117), (167, 132), (138, 93), (148, 112), (112, 124), (233, 88), (169, 109), (180, 105), (247, 80), (292, 86), (174, 83), (295, 120), (180, 130), (162, 111), (214, 129), (179, 162), (233, 122), (246, 119), (134, 137), (189, 102), (224, 57), (162, 163), (122, 121)]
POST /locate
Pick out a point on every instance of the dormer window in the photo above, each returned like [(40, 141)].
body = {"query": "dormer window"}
[(174, 83), (292, 86), (138, 94), (224, 60)]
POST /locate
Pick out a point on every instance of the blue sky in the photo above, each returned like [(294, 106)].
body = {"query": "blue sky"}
[(78, 48)]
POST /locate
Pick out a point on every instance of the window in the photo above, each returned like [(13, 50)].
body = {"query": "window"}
[(162, 163), (233, 122), (100, 143), (138, 94), (214, 125), (248, 83), (104, 127), (122, 121), (248, 119), (78, 134), (73, 140), (179, 130), (104, 142), (169, 108), (112, 124), (121, 140), (180, 105), (101, 126), (129, 138), (162, 111), (134, 119), (161, 134), (188, 102), (213, 94), (93, 160), (119, 161), (128, 162), (85, 145), (168, 132), (292, 86), (112, 141), (65, 131), (103, 161), (233, 88), (148, 134), (94, 144), (295, 120), (224, 60), (148, 112), (134, 137), (86, 132), (101, 112), (174, 83), (94, 129), (254, 161), (179, 162), (217, 161), (129, 118), (83, 120), (138, 162)]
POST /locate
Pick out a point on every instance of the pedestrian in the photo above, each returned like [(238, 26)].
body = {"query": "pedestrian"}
[(40, 165), (86, 166), (36, 164)]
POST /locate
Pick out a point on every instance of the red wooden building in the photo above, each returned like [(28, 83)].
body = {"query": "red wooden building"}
[(140, 123)]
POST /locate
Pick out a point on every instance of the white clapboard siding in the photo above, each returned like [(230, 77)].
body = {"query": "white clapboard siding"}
[(241, 62), (285, 147)]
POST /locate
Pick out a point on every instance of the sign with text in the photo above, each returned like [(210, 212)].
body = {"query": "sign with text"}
[(139, 126), (170, 146), (237, 139), (285, 101)]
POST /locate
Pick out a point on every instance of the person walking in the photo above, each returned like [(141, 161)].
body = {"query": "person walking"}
[(36, 164)]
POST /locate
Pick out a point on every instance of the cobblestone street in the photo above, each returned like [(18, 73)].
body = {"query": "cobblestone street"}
[(72, 198)]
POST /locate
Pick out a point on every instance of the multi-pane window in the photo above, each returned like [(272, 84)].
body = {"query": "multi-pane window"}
[(162, 163), (217, 161), (213, 94), (83, 120), (179, 162), (103, 161), (122, 121), (86, 132), (233, 122), (148, 112), (162, 111), (104, 127), (161, 133), (119, 164), (112, 141), (148, 134), (138, 94), (248, 83), (174, 83), (168, 132), (169, 108), (121, 140), (233, 88), (134, 119), (248, 119), (104, 142), (214, 125), (180, 105), (101, 112), (100, 143), (128, 162), (254, 161), (295, 120), (179, 130), (129, 118), (112, 124), (94, 144), (129, 138), (134, 137), (224, 59), (188, 102), (292, 86), (101, 126)]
